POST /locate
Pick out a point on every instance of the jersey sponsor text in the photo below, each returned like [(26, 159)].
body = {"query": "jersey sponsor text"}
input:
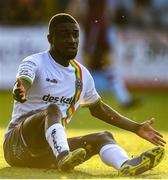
[(49, 98)]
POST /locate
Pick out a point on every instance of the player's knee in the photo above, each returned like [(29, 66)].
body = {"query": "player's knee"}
[(53, 109), (107, 135), (105, 138)]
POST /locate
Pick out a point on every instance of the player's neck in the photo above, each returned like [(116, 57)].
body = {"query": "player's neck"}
[(60, 60)]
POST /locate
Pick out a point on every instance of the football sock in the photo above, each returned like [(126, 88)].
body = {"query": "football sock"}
[(57, 139), (113, 155)]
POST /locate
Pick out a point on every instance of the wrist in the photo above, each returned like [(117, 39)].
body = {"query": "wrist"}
[(136, 128)]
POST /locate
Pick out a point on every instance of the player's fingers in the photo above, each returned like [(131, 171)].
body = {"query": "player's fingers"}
[(21, 93), (18, 93), (160, 139), (23, 100), (19, 82), (22, 96), (157, 142), (18, 90), (153, 142), (157, 133), (150, 121)]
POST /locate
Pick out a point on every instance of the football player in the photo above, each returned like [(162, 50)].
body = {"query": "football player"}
[(49, 88)]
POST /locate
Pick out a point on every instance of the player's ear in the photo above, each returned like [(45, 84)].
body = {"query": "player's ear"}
[(49, 37)]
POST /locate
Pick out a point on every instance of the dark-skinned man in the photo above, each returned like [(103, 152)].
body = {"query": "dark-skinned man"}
[(49, 88)]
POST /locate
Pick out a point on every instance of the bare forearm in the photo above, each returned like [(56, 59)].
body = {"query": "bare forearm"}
[(107, 114)]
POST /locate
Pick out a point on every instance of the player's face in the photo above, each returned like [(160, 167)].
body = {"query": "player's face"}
[(65, 40)]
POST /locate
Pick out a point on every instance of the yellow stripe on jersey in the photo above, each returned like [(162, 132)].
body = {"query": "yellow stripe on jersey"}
[(78, 89)]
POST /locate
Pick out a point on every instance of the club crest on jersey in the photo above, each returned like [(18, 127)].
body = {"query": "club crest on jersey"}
[(78, 84)]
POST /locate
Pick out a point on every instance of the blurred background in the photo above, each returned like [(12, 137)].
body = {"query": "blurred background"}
[(124, 44)]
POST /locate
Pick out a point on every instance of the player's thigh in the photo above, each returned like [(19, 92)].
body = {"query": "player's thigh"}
[(34, 126), (92, 143), (17, 153), (33, 130)]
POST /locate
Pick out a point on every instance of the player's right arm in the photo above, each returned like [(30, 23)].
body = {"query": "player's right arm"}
[(27, 72), (20, 90)]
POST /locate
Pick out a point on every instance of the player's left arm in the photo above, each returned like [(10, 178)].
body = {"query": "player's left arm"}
[(105, 113)]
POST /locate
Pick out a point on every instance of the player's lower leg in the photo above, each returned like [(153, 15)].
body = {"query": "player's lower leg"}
[(113, 155), (57, 140)]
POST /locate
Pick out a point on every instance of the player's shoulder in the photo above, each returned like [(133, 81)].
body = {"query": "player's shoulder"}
[(36, 59)]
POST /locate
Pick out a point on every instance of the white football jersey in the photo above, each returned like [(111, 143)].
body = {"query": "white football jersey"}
[(52, 83)]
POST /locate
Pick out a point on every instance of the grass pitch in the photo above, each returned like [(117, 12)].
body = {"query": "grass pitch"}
[(154, 104)]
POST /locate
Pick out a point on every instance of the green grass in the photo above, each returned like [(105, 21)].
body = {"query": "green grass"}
[(154, 104)]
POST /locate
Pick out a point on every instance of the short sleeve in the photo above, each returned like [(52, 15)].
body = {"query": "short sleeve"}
[(27, 70), (91, 97)]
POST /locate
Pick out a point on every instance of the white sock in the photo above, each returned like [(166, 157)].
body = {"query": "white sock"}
[(57, 139), (113, 155)]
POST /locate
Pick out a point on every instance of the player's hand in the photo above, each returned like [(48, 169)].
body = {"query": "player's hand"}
[(19, 92), (150, 134)]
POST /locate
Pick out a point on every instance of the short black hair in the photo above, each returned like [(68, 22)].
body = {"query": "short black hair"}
[(58, 19)]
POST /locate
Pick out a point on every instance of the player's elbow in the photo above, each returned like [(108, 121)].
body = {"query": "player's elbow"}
[(92, 112), (96, 111)]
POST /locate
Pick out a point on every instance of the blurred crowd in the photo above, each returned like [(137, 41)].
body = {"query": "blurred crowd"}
[(122, 12)]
